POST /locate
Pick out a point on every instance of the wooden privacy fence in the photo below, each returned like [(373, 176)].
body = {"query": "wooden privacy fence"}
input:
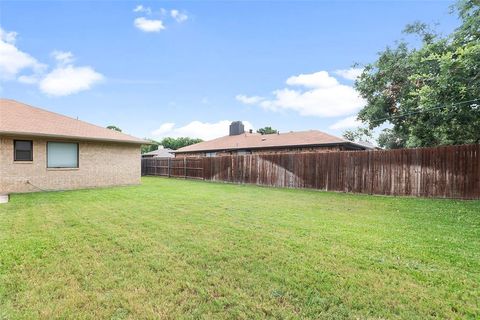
[(170, 167), (445, 172)]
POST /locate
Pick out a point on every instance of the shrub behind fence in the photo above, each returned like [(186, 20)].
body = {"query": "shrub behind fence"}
[(446, 172)]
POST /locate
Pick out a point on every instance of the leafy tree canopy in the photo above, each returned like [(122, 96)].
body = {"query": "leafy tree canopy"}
[(267, 130), (149, 147), (429, 94), (112, 127), (360, 134), (177, 143), (170, 143)]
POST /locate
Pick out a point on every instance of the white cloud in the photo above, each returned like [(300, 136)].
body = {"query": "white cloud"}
[(66, 80), (140, 8), (349, 74), (9, 37), (197, 129), (349, 122), (12, 60), (63, 57), (178, 16), (319, 79), (156, 25), (320, 95), (164, 128), (31, 79), (249, 100), (148, 25)]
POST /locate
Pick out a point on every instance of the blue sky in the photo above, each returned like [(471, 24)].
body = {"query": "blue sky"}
[(173, 68)]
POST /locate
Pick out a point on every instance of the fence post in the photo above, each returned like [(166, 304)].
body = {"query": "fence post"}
[(203, 167), (185, 167), (168, 167)]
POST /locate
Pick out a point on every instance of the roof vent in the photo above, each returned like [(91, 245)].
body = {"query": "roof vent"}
[(236, 128)]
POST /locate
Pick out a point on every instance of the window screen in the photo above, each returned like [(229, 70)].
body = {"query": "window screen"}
[(62, 155), (23, 150)]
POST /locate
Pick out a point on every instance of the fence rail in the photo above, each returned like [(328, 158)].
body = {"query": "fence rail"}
[(443, 172)]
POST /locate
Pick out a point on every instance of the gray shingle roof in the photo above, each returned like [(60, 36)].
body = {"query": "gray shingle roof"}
[(160, 153)]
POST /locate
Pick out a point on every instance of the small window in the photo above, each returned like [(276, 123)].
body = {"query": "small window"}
[(210, 154), (62, 155), (23, 150)]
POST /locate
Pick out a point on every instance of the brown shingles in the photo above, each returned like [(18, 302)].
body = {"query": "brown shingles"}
[(21, 119), (255, 141)]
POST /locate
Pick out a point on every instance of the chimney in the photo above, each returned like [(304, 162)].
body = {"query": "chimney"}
[(236, 128)]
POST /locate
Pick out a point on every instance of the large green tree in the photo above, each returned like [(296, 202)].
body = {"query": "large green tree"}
[(428, 94), (267, 130)]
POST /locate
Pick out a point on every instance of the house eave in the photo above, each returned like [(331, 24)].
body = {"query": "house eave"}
[(70, 137)]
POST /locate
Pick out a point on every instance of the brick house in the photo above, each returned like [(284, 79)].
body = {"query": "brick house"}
[(42, 150), (239, 142)]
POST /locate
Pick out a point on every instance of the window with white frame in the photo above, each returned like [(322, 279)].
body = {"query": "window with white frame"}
[(62, 155)]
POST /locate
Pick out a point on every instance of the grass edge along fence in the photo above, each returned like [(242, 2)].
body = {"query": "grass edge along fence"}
[(440, 172)]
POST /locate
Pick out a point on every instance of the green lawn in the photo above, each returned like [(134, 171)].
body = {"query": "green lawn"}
[(191, 249)]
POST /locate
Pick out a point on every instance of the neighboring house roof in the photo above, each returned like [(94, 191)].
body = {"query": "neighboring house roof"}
[(159, 153), (17, 118), (258, 141), (367, 145)]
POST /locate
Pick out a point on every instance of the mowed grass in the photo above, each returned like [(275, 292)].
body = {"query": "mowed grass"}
[(190, 249)]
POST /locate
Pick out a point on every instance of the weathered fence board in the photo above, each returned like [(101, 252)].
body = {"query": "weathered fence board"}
[(443, 172)]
